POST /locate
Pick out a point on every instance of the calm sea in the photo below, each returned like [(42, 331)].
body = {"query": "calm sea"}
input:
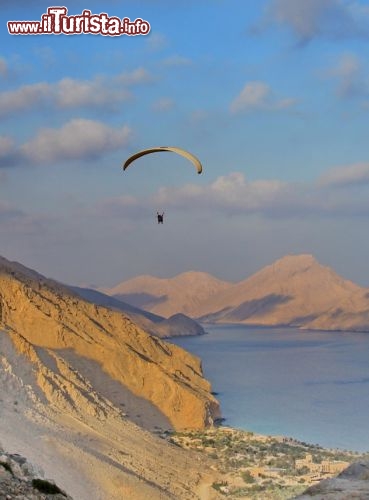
[(310, 385)]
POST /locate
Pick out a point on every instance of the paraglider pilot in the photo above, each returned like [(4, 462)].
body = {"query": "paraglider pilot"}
[(160, 217)]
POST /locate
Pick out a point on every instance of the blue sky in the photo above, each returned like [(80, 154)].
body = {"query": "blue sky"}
[(272, 96)]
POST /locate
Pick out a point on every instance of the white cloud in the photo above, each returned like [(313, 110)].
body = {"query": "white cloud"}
[(136, 77), (307, 19), (198, 115), (26, 97), (163, 104), (126, 206), (8, 211), (258, 95), (348, 175), (6, 145), (3, 67), (156, 41), (177, 61), (347, 66), (253, 95), (78, 139), (230, 194), (99, 92), (349, 75), (95, 93), (233, 194), (304, 18), (9, 155)]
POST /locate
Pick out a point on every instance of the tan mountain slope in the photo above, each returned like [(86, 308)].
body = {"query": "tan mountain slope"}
[(292, 291), (175, 326), (67, 416), (48, 315), (181, 294), (349, 314)]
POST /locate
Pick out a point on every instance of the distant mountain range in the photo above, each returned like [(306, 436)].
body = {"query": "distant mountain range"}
[(293, 291), (175, 326), (182, 294)]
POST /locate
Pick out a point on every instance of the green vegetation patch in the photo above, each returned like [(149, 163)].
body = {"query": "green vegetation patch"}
[(263, 467)]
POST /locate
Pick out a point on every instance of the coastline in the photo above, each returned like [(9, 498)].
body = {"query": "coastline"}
[(285, 381)]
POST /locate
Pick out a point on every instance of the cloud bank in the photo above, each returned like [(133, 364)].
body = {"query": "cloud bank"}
[(97, 93), (258, 95), (352, 82), (351, 175), (78, 139), (309, 19), (234, 195)]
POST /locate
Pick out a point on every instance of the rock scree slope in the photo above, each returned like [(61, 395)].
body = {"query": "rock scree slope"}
[(42, 313)]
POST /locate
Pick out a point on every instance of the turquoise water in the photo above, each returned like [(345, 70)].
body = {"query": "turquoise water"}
[(313, 386)]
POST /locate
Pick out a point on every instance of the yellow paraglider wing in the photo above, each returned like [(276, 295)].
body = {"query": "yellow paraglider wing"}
[(159, 149)]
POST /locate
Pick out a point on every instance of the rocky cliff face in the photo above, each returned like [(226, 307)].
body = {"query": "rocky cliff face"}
[(38, 313)]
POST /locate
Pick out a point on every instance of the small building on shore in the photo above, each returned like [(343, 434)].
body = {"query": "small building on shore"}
[(324, 467)]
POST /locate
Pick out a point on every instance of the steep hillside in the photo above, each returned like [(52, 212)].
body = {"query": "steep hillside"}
[(350, 313), (75, 424), (175, 326), (181, 294), (293, 290), (44, 314)]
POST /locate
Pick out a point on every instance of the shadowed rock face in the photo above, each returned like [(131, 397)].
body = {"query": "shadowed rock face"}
[(292, 291), (144, 300), (37, 312), (181, 294), (352, 483), (175, 326), (251, 308)]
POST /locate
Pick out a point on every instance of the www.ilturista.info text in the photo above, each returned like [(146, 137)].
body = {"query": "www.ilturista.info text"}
[(57, 22)]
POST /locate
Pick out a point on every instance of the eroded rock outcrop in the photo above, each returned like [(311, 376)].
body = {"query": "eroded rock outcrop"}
[(21, 480), (40, 313)]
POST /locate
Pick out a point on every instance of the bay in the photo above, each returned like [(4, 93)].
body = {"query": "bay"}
[(309, 385)]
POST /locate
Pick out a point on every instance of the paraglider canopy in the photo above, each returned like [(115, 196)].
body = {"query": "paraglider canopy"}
[(159, 149)]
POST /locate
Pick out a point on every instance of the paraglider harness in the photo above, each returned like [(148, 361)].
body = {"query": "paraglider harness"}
[(160, 217)]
